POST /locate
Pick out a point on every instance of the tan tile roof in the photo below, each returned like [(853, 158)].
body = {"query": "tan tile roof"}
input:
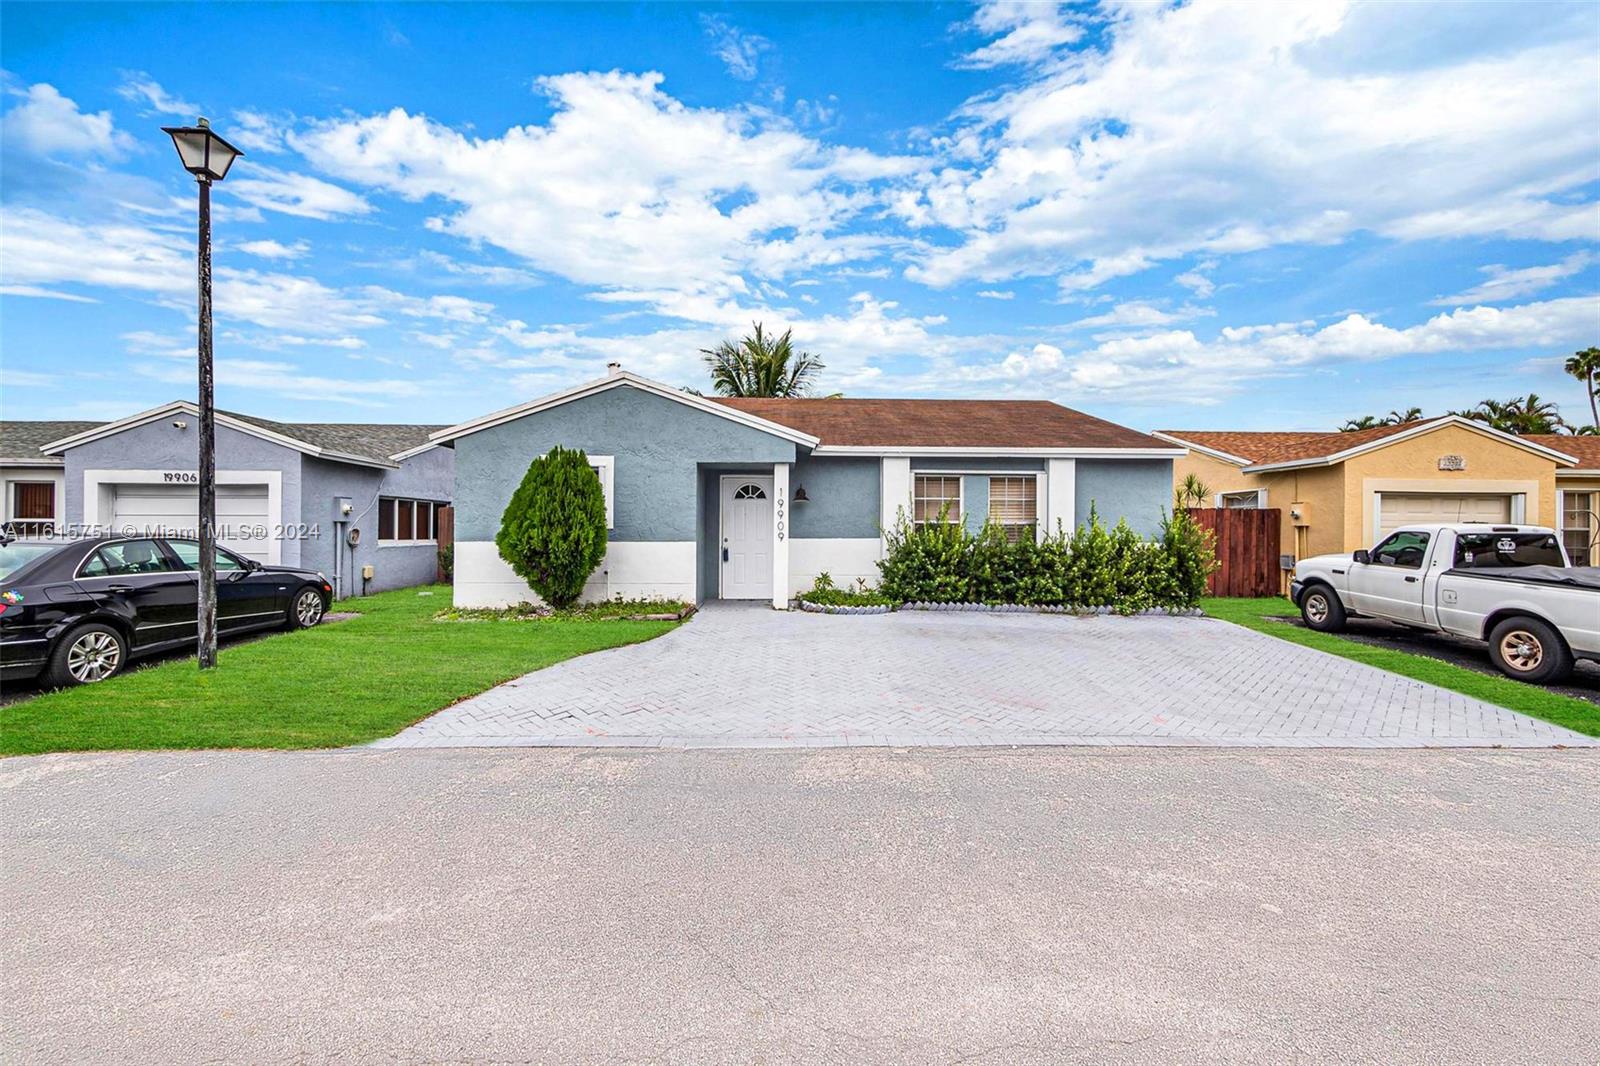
[(1585, 449), (1276, 447), (944, 423)]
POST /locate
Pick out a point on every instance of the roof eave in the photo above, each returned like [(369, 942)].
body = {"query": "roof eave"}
[(1215, 453), (1420, 429), (990, 451)]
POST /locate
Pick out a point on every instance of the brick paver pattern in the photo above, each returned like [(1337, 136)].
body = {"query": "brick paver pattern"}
[(746, 676)]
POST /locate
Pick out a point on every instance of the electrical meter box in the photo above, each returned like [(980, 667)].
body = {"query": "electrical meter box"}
[(1300, 514), (341, 508), (367, 572)]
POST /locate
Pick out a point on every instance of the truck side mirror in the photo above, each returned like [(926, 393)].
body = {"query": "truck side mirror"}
[(1362, 556)]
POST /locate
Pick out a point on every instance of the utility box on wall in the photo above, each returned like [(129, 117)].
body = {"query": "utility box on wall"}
[(1300, 514), (342, 508)]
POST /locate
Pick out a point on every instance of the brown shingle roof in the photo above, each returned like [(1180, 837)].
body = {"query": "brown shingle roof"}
[(943, 423), (1276, 447), (1585, 449)]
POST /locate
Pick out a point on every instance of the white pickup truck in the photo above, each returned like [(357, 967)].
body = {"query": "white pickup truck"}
[(1512, 586)]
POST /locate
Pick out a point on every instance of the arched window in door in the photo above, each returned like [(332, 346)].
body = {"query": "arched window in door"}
[(750, 492)]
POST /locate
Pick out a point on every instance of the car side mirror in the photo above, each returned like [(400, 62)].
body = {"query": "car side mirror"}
[(1362, 556), (252, 564)]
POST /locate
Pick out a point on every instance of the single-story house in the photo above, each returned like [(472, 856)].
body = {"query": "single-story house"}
[(750, 499), (1338, 492), (343, 498)]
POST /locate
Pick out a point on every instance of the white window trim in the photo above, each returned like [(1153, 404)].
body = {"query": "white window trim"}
[(58, 483), (435, 504), (1261, 497), (608, 481), (961, 494)]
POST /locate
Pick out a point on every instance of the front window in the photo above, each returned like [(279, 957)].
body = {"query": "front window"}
[(407, 521), (936, 498), (1579, 527), (127, 558), (33, 508), (1405, 549), (188, 553), (1014, 505)]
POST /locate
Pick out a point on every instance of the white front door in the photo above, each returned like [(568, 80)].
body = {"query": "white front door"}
[(746, 537)]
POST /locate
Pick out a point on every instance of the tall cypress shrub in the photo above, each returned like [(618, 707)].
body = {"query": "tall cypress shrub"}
[(553, 532)]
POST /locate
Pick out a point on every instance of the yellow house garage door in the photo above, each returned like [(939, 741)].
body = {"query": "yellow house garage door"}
[(1398, 509)]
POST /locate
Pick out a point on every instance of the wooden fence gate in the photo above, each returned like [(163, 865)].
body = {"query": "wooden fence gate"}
[(1247, 550), (447, 540)]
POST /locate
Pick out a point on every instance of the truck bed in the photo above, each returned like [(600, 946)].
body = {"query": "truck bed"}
[(1584, 577)]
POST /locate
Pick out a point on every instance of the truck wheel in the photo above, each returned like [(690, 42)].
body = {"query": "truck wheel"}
[(86, 655), (1529, 650), (1321, 609)]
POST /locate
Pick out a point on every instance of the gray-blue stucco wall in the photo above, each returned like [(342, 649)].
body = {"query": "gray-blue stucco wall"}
[(163, 446), (429, 475), (658, 445), (841, 497), (1139, 490)]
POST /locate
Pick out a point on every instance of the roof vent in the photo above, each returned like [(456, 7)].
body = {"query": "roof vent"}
[(613, 369)]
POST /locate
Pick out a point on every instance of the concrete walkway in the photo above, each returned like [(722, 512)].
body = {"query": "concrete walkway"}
[(748, 676)]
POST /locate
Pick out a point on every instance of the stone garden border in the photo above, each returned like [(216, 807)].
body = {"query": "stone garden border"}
[(1000, 608)]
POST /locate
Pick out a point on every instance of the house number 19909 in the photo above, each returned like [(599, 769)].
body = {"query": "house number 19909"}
[(778, 513)]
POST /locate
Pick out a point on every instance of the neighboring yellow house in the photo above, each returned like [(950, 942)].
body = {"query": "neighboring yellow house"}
[(1342, 491)]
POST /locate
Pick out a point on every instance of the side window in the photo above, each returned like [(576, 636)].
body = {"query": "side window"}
[(126, 559), (188, 552), (1405, 549)]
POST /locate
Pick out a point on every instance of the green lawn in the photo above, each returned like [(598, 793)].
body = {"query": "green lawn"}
[(1576, 714), (340, 683)]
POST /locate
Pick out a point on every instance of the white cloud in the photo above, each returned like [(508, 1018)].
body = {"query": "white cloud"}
[(1150, 366), (708, 203), (141, 88), (996, 294), (269, 249), (45, 123), (1028, 31), (1503, 284), (252, 131), (739, 51), (1137, 314), (38, 293), (255, 376), (294, 194), (1214, 128)]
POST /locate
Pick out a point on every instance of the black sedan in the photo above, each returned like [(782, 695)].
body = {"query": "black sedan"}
[(74, 612)]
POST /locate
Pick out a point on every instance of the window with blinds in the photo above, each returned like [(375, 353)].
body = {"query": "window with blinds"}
[(402, 521), (1014, 505), (1580, 527), (933, 495)]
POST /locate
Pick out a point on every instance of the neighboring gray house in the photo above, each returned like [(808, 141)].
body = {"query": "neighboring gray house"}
[(286, 493), (752, 498)]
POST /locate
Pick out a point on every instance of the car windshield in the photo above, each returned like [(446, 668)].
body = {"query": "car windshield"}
[(1474, 550), (14, 557)]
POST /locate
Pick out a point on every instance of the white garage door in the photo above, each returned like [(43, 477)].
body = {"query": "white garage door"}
[(1406, 509), (175, 509)]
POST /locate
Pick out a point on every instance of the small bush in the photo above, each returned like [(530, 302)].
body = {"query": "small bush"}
[(447, 563), (824, 593), (926, 563), (553, 532), (1191, 555)]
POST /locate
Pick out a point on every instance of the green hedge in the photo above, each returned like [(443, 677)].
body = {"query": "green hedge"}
[(940, 562)]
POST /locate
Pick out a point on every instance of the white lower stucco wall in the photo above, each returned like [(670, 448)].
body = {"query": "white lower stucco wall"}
[(844, 558), (631, 569)]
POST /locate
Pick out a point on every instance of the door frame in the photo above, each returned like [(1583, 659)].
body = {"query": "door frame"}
[(770, 482), (98, 486)]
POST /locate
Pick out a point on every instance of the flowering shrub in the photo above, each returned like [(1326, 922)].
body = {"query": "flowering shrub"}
[(940, 562)]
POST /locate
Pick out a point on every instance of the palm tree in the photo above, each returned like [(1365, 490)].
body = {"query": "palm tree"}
[(1364, 422), (1585, 366), (1192, 493), (1520, 414), (759, 365), (1401, 418)]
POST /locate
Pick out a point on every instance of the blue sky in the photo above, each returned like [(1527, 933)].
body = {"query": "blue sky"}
[(1205, 216)]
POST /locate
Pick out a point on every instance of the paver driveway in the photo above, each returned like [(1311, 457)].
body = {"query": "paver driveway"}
[(739, 675)]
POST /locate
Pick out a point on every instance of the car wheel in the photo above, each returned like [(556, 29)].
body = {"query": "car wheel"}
[(1529, 650), (1321, 610), (89, 654), (306, 610)]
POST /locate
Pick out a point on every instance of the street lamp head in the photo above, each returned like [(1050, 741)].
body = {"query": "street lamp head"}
[(203, 153)]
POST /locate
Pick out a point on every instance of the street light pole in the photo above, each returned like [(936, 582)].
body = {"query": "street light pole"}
[(208, 157), (208, 445)]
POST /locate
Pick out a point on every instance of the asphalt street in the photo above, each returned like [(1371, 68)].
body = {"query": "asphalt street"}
[(856, 905)]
